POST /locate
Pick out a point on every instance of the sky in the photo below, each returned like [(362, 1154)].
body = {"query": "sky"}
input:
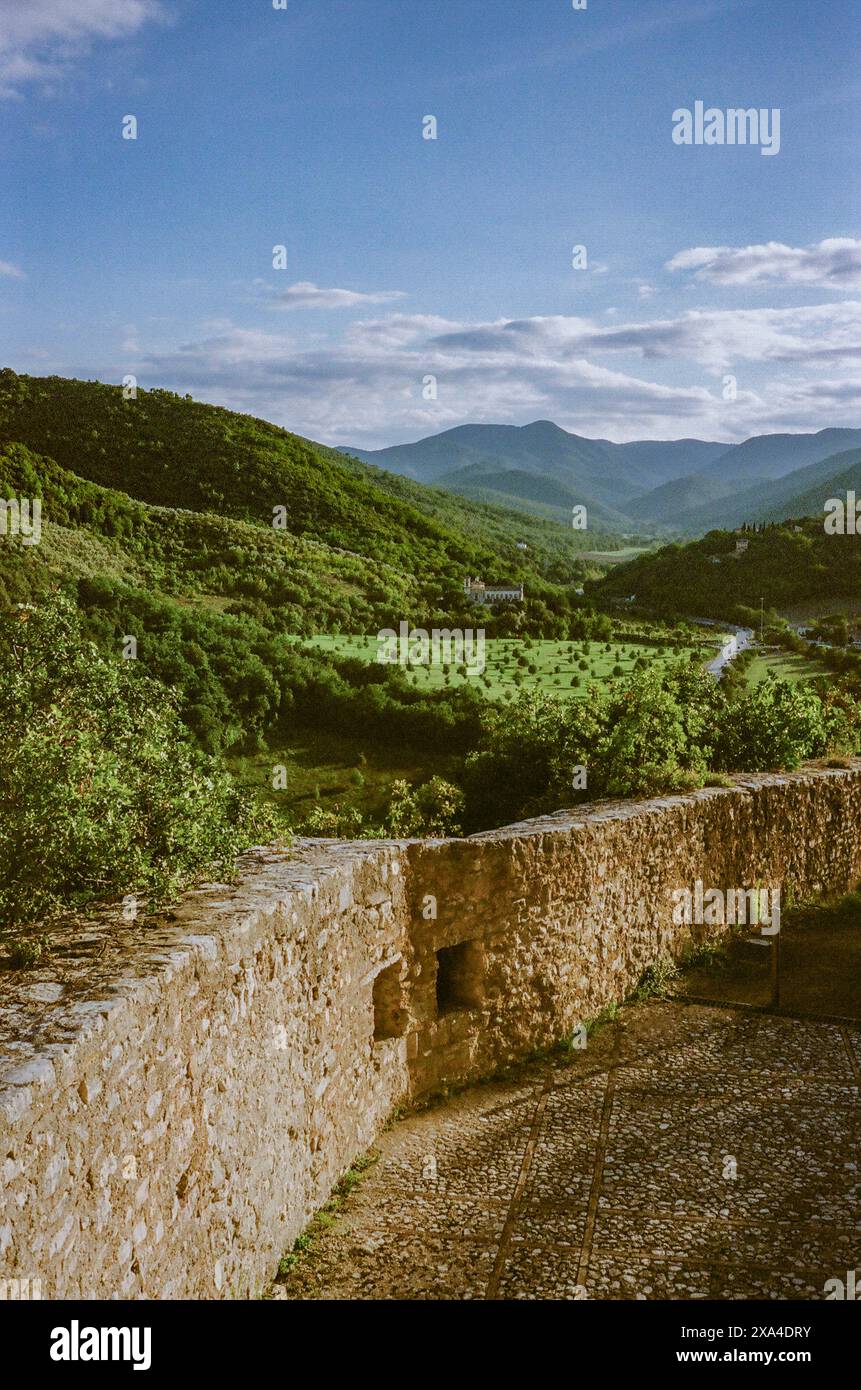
[(432, 282)]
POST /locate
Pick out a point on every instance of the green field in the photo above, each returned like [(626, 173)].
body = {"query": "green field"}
[(566, 669), (616, 557), (786, 666)]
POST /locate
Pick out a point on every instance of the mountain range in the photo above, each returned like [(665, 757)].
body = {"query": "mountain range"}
[(687, 486)]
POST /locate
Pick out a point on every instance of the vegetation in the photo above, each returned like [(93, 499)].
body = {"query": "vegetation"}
[(102, 791), (175, 453), (144, 646), (659, 731), (560, 667), (784, 562)]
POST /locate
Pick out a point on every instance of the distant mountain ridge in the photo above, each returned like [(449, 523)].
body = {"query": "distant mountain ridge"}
[(687, 485)]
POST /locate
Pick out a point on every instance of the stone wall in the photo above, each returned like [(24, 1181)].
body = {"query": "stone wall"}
[(177, 1098)]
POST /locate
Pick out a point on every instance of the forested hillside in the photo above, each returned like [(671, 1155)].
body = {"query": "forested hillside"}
[(783, 563), (157, 521), (172, 451)]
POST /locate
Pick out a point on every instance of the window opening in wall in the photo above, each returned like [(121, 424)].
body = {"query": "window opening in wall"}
[(459, 977)]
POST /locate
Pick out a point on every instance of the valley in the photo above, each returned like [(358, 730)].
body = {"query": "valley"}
[(255, 571)]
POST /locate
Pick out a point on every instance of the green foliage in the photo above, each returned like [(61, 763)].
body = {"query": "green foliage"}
[(654, 734), (101, 789), (658, 981), (335, 823), (526, 758), (662, 730), (784, 563), (27, 951), (774, 725), (430, 810), (434, 810)]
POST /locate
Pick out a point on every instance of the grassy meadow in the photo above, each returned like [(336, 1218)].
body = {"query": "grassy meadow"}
[(785, 666), (562, 668)]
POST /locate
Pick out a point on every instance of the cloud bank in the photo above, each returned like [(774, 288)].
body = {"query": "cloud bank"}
[(38, 38), (834, 264), (368, 386)]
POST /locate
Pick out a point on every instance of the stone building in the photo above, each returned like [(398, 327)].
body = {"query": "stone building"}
[(479, 592)]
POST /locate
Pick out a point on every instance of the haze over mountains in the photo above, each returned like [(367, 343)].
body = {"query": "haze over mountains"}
[(686, 485)]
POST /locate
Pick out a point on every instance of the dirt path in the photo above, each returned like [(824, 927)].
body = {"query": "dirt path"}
[(689, 1152)]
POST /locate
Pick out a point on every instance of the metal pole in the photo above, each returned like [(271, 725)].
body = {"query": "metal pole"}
[(775, 970)]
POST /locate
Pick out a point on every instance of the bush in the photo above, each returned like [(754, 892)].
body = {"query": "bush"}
[(434, 809), (774, 725), (655, 735), (528, 752), (335, 823), (102, 792)]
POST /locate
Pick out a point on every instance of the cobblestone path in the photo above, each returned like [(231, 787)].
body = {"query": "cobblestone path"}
[(689, 1152)]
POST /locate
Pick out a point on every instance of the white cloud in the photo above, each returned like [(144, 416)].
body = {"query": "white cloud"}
[(305, 295), (12, 272), (714, 338), (365, 387), (831, 264), (38, 38)]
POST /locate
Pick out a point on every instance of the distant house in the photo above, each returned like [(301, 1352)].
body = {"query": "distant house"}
[(521, 545), (479, 592), (741, 546)]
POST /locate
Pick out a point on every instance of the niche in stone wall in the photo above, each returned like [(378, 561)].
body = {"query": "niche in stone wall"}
[(459, 977), (390, 1016)]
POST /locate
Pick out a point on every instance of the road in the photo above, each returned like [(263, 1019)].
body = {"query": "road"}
[(739, 642)]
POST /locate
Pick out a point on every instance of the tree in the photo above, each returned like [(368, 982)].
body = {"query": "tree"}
[(102, 791)]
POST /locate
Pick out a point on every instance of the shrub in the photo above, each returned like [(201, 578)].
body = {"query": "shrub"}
[(774, 725), (654, 735), (102, 792), (525, 762), (434, 809), (335, 823)]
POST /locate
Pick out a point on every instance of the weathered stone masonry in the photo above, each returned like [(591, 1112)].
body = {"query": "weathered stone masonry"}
[(175, 1102)]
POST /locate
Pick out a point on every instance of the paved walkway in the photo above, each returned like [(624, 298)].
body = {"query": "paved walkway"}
[(689, 1152)]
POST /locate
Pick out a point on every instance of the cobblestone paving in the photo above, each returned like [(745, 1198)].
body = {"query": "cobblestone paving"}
[(611, 1176)]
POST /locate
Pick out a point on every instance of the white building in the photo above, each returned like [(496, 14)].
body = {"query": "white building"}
[(479, 592)]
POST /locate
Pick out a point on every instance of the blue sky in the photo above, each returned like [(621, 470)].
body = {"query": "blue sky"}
[(452, 258)]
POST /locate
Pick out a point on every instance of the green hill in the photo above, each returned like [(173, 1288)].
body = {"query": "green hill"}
[(714, 500), (157, 521), (90, 532), (784, 563), (175, 452), (812, 487)]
